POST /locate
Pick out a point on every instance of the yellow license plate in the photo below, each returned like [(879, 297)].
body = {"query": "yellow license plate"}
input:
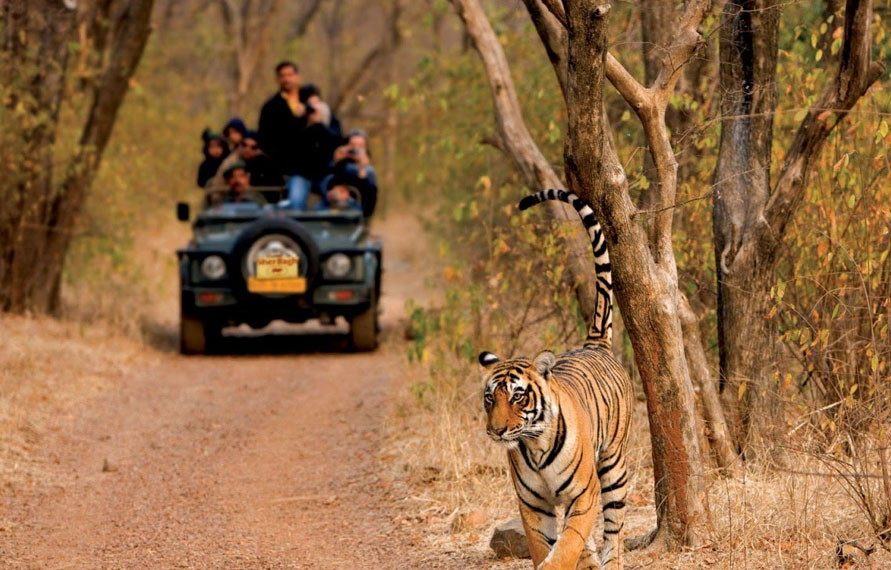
[(286, 285), (277, 267)]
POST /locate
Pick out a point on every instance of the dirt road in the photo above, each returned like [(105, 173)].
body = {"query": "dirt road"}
[(263, 459)]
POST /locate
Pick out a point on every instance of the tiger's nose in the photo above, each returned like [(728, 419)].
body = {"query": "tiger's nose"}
[(498, 431)]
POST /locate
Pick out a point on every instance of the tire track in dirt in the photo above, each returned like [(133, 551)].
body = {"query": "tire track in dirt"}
[(245, 461)]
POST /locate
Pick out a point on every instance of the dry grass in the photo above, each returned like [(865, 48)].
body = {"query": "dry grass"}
[(136, 295), (457, 484), (46, 365)]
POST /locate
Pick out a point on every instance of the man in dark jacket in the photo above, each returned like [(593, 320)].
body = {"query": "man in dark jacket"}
[(283, 119), (262, 170), (295, 136)]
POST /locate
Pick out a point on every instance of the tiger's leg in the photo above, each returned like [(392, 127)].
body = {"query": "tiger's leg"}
[(613, 476), (580, 516), (539, 518), (589, 559), (541, 531)]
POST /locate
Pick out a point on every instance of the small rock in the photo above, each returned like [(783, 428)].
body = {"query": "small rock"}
[(108, 466), (509, 540), (469, 520)]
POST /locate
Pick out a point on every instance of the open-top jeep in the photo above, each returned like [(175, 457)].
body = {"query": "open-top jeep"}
[(251, 263)]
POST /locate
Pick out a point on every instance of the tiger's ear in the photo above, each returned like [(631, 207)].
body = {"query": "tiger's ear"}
[(544, 362), (487, 359)]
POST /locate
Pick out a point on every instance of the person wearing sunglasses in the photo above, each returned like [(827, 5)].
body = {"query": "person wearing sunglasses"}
[(258, 165), (261, 168)]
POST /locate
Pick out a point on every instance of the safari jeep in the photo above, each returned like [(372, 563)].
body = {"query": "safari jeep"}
[(248, 263)]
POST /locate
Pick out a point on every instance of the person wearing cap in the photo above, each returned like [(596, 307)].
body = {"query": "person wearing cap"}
[(338, 195), (234, 132), (215, 151), (353, 162), (260, 167), (239, 188)]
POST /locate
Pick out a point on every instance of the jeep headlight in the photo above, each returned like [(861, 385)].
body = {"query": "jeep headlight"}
[(213, 267), (338, 265)]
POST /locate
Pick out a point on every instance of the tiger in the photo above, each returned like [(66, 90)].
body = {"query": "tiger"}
[(564, 421)]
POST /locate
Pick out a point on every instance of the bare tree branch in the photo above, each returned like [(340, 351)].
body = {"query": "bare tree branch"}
[(644, 273), (718, 431), (855, 74), (553, 35), (528, 158), (357, 76), (555, 7), (628, 87), (248, 26), (687, 41), (301, 23), (650, 105)]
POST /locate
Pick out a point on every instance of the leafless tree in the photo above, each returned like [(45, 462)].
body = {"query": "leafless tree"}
[(247, 29)]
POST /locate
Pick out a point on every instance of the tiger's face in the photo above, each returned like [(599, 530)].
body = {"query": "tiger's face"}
[(516, 396)]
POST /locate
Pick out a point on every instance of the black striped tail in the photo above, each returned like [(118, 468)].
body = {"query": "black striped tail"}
[(601, 329)]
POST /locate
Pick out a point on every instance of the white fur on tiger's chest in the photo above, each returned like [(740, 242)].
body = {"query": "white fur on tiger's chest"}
[(547, 472)]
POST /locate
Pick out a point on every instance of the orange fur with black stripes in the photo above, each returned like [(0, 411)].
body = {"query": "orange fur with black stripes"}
[(564, 420)]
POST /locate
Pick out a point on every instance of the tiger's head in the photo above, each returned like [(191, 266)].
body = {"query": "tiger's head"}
[(517, 397)]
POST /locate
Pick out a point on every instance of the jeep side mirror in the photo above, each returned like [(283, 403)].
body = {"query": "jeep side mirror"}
[(182, 211)]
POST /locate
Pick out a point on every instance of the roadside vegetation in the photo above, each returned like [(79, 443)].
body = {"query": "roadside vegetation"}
[(503, 286)]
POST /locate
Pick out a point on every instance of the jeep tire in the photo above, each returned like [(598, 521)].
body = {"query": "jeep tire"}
[(364, 328), (197, 336)]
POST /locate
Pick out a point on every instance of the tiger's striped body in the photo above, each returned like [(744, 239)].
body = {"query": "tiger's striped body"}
[(565, 421)]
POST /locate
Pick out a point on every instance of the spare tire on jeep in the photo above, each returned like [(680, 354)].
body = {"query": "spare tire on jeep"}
[(278, 236)]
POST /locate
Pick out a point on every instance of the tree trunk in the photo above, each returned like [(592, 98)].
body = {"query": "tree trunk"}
[(742, 185), (717, 429), (643, 264), (750, 220), (38, 229)]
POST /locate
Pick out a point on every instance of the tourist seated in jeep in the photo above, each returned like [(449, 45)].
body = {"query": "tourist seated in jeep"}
[(261, 169), (238, 193), (234, 133), (339, 195), (352, 163), (215, 151)]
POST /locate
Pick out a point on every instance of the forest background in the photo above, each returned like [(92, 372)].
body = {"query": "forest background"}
[(408, 74)]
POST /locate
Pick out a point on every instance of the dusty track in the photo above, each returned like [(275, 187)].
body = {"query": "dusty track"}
[(264, 459)]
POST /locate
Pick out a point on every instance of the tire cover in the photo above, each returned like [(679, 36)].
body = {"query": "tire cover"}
[(258, 229)]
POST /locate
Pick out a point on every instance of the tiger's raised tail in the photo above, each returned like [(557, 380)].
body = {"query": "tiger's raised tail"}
[(601, 330)]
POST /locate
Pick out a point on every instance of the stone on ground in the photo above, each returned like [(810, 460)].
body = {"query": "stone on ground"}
[(509, 540)]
